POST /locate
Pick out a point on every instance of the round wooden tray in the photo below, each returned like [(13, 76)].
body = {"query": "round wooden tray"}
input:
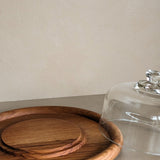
[(58, 133)]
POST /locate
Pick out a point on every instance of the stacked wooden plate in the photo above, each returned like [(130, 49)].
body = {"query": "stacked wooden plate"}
[(59, 133)]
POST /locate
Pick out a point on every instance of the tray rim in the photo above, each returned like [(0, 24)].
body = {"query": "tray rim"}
[(110, 153)]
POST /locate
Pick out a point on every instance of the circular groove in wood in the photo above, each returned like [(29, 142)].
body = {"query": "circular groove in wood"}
[(39, 131), (44, 154), (56, 154), (63, 137), (77, 142)]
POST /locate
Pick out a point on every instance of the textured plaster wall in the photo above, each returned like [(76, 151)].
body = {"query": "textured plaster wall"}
[(57, 48)]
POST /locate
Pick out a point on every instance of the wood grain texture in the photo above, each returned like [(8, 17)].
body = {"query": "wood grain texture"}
[(58, 133), (40, 132), (54, 137)]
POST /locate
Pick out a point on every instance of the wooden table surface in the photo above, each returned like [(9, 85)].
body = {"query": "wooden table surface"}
[(91, 102)]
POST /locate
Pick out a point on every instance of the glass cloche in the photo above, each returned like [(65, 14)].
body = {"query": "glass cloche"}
[(135, 109)]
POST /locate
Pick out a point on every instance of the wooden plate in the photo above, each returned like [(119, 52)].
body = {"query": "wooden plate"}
[(58, 133)]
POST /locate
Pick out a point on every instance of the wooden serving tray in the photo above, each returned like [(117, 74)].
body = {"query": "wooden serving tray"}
[(56, 133)]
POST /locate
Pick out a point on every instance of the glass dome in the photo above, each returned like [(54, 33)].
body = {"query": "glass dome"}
[(135, 109)]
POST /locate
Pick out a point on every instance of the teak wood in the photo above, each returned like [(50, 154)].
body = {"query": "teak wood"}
[(56, 133)]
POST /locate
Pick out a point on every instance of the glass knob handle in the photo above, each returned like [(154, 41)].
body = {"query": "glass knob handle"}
[(153, 77), (152, 84)]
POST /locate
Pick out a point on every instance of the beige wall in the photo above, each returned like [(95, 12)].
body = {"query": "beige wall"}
[(56, 48)]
